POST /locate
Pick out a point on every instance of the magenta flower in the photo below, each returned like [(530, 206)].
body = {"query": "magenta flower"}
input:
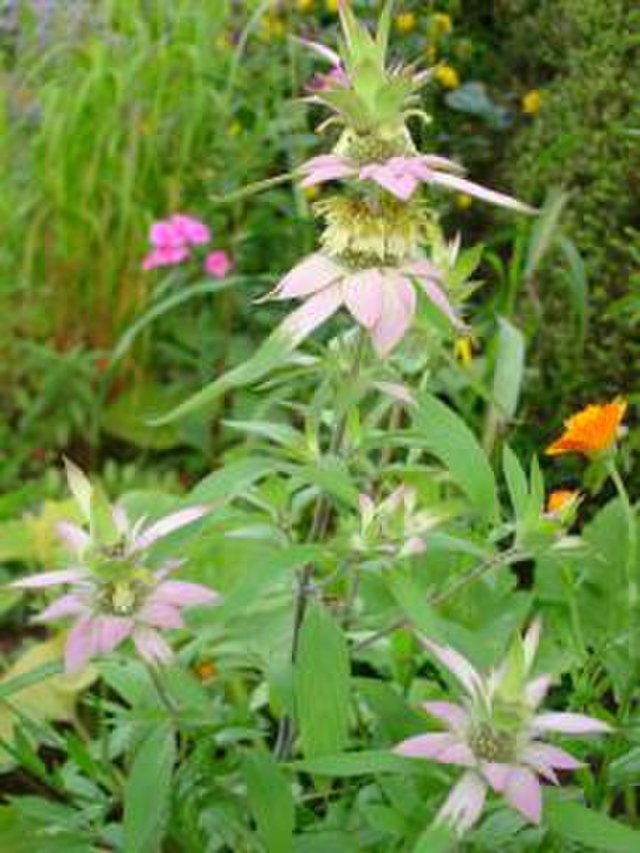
[(401, 176), (171, 240), (382, 299), (217, 264), (496, 735), (113, 594)]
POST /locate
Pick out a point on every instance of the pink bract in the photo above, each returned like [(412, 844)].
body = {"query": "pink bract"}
[(401, 176), (381, 299)]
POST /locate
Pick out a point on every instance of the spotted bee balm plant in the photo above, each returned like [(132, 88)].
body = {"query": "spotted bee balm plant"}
[(280, 659)]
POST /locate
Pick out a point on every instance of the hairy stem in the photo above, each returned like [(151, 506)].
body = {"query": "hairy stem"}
[(317, 532), (506, 558)]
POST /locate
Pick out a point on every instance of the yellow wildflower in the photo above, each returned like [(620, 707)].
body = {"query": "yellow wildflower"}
[(447, 76), (531, 102), (463, 201), (440, 24), (405, 22), (332, 5), (463, 350), (304, 5), (312, 192), (235, 129)]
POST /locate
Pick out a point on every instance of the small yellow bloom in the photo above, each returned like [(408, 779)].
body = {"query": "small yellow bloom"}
[(272, 28), (312, 192), (405, 22), (463, 350), (235, 129), (561, 500), (463, 201), (447, 76), (205, 670), (440, 24), (592, 431), (332, 5), (531, 102), (304, 5)]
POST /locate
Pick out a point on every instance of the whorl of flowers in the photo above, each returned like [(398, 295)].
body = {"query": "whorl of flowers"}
[(377, 228), (114, 593), (497, 734)]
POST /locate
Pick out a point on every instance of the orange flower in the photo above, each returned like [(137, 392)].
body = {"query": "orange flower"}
[(561, 500), (591, 431), (205, 670)]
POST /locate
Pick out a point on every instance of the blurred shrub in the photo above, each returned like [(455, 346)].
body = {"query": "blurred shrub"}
[(585, 57)]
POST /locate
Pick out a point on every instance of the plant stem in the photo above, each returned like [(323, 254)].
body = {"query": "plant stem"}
[(317, 532), (631, 568), (164, 696), (506, 558)]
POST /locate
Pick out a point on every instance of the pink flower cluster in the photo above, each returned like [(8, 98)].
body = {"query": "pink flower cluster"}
[(172, 240)]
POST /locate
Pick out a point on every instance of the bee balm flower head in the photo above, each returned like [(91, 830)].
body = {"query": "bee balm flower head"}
[(497, 735), (113, 593)]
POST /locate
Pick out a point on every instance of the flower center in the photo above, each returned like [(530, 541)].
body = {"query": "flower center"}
[(362, 233), (122, 597), (491, 744), (364, 149)]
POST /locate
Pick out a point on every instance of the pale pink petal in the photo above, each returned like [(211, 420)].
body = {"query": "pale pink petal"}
[(457, 665), (523, 793), (571, 724), (166, 256), (443, 747), (423, 269), (311, 314), (454, 182), (453, 716), (496, 774), (157, 614), (311, 275), (393, 176), (80, 646), (413, 546), (396, 315), (110, 631), (536, 689), (189, 230), (397, 391), (45, 579), (464, 804), (326, 167), (164, 235), (322, 50), (74, 537), (444, 164), (184, 594), (151, 646), (367, 509), (168, 524), (120, 519), (363, 296), (544, 754), (66, 605)]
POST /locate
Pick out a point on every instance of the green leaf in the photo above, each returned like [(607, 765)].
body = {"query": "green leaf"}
[(625, 770), (360, 764), (576, 823), (233, 480), (509, 369), (128, 417), (436, 839), (448, 437), (271, 802), (413, 603), (516, 481), (271, 354), (577, 285), (321, 684), (544, 229), (148, 789), (80, 486)]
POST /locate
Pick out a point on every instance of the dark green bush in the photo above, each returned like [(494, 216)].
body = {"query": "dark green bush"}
[(585, 56)]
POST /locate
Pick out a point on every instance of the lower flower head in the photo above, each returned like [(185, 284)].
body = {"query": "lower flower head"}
[(592, 431)]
